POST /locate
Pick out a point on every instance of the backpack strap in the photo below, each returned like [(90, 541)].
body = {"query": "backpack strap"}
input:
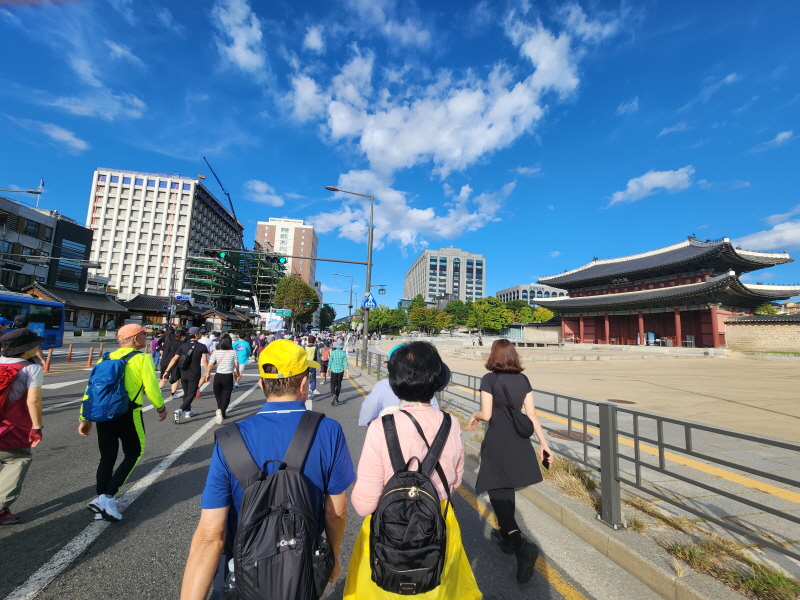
[(393, 443), (237, 455), (125, 360), (438, 466), (301, 440)]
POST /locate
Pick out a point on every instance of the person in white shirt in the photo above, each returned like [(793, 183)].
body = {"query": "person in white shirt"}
[(227, 362)]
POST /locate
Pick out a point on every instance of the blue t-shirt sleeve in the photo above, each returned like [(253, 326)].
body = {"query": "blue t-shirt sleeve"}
[(217, 493), (342, 473)]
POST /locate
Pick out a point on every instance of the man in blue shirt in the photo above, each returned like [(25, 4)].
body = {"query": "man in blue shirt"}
[(329, 471)]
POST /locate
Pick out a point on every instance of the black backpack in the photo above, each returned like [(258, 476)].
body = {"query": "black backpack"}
[(408, 535), (185, 360), (277, 550)]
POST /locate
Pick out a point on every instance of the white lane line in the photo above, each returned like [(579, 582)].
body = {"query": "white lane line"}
[(56, 386), (55, 406), (64, 557)]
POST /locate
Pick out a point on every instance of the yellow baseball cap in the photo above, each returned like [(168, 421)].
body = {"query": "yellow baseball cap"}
[(287, 357)]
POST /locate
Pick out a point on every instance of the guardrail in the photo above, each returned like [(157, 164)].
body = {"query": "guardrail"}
[(633, 445)]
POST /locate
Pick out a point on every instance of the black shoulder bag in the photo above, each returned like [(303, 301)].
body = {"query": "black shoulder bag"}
[(522, 422)]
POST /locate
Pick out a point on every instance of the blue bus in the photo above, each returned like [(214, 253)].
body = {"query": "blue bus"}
[(46, 317)]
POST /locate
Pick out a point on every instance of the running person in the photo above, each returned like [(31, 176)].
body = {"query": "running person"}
[(324, 356), (227, 361), (243, 352), (191, 373), (127, 430), (170, 349)]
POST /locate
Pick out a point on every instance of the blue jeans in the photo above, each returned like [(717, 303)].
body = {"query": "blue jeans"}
[(312, 379), (156, 354)]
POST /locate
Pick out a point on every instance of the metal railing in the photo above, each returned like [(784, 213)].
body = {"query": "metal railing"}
[(628, 446)]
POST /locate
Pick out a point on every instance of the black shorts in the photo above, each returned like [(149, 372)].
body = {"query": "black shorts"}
[(323, 367)]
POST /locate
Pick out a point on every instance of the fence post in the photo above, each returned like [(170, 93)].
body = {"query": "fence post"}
[(91, 355), (378, 377), (69, 354), (47, 362), (611, 507)]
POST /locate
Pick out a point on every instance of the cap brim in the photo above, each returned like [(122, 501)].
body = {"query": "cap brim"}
[(314, 364)]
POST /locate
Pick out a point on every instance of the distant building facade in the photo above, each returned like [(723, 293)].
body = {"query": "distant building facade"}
[(146, 225), (529, 293), (447, 271), (293, 238), (789, 308)]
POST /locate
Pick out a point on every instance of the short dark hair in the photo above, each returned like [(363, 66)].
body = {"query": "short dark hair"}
[(281, 387), (225, 342), (416, 371), (312, 339), (504, 358), (21, 320)]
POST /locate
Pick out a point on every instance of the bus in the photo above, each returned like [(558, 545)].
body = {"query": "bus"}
[(46, 317)]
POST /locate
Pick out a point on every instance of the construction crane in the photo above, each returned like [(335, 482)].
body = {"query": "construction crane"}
[(241, 237)]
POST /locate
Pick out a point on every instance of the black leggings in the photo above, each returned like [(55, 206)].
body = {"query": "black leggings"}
[(503, 503), (128, 431), (336, 383), (223, 386), (189, 392)]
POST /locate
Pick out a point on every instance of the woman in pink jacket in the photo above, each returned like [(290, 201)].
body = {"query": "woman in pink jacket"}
[(416, 373)]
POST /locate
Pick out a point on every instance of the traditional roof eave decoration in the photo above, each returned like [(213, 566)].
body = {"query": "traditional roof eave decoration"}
[(674, 256), (74, 299), (143, 302), (765, 319), (727, 285)]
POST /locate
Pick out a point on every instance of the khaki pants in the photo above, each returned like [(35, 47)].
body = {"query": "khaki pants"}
[(15, 466)]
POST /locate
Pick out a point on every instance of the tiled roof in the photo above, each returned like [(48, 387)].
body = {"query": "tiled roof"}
[(149, 303), (74, 299), (765, 319), (230, 316), (689, 252)]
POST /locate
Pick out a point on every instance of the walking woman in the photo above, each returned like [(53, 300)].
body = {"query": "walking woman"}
[(416, 373), (508, 460), (227, 362)]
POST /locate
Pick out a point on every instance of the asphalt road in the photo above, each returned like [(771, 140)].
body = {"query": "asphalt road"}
[(59, 552)]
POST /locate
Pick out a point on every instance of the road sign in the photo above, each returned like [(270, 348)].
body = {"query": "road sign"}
[(369, 301), (283, 312), (182, 298)]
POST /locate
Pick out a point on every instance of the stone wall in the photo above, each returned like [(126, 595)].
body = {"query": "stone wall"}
[(545, 334), (763, 335)]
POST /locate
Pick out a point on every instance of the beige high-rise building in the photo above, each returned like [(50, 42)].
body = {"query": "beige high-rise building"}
[(291, 237), (447, 272)]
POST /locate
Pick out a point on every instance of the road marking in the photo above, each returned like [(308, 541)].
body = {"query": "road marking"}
[(553, 577), (56, 386), (64, 557), (687, 462), (55, 406)]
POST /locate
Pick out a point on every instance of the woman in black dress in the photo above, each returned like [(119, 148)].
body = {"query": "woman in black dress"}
[(508, 461)]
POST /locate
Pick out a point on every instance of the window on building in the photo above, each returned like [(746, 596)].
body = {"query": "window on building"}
[(7, 247), (32, 228), (115, 179), (25, 251), (173, 185), (151, 183), (162, 184), (23, 280), (126, 180), (101, 178), (187, 186), (138, 181)]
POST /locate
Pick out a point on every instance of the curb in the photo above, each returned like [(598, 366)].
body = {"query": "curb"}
[(641, 557)]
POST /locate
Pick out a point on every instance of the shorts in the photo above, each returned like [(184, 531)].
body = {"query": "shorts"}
[(323, 367)]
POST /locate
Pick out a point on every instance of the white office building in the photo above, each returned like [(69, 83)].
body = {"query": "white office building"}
[(447, 273), (147, 224), (529, 293)]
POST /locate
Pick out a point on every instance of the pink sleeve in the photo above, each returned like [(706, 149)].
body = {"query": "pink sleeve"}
[(369, 483)]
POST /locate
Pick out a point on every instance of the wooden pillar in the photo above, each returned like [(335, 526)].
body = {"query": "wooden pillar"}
[(715, 342), (642, 341), (678, 331), (607, 328), (580, 329), (563, 329)]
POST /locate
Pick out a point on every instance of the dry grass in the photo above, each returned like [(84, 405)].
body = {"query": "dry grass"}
[(647, 507), (573, 481), (637, 524)]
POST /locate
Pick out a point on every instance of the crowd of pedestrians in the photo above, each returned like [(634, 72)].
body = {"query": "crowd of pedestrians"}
[(296, 462)]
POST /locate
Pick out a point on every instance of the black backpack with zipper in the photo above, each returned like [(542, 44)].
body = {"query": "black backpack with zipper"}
[(408, 537), (278, 552)]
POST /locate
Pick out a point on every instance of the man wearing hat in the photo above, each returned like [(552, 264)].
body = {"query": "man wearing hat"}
[(4, 324), (328, 469), (337, 365), (192, 373), (128, 430), (20, 415)]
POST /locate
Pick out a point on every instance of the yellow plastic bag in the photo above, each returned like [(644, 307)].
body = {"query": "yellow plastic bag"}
[(458, 582)]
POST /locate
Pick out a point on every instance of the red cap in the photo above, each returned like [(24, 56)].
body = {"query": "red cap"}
[(128, 331)]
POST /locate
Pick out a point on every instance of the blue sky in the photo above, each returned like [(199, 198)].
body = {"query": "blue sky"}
[(540, 134)]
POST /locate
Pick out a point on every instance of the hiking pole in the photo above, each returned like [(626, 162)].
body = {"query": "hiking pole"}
[(47, 362), (91, 353), (69, 354)]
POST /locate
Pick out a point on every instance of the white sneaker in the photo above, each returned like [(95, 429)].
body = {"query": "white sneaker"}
[(218, 417), (178, 394), (190, 413), (176, 416), (236, 384), (315, 393), (97, 505), (111, 512), (98, 516)]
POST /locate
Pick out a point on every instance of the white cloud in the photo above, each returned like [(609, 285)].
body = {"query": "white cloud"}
[(589, 31), (781, 237), (780, 218), (378, 15), (166, 19), (125, 8), (652, 182), (241, 41), (103, 103), (57, 136), (84, 68), (550, 207), (398, 221), (629, 107), (710, 88), (782, 138), (262, 192), (330, 290), (120, 52), (724, 186), (313, 40), (408, 33), (11, 17), (529, 171), (682, 126), (554, 253)]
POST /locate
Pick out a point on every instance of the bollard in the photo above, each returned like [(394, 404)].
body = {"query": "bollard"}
[(69, 354), (99, 354), (91, 355), (47, 362)]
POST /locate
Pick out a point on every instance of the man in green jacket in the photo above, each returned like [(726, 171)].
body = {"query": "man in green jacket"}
[(127, 430)]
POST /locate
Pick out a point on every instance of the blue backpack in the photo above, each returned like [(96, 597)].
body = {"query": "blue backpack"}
[(106, 396)]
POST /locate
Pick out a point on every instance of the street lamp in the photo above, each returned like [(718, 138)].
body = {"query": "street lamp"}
[(350, 305), (330, 188)]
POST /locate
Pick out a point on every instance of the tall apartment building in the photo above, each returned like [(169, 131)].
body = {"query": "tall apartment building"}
[(530, 292), (146, 226), (446, 272), (291, 237)]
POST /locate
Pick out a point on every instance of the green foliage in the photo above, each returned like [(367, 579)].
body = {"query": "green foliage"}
[(459, 311), (294, 294), (541, 314), (417, 302), (398, 319), (766, 309), (379, 318), (442, 320), (420, 317), (516, 305), (489, 313), (525, 315), (326, 317)]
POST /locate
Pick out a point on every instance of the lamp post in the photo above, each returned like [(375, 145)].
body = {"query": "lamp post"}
[(22, 191), (330, 188), (350, 305)]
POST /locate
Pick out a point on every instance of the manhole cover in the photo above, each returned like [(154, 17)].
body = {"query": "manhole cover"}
[(564, 434), (615, 401)]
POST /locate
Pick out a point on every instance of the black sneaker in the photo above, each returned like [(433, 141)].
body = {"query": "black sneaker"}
[(526, 561), (497, 538), (335, 401)]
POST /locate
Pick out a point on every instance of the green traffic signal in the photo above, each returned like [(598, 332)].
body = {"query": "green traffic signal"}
[(282, 260), (223, 254)]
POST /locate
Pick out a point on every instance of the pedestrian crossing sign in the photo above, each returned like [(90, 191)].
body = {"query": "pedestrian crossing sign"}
[(369, 301)]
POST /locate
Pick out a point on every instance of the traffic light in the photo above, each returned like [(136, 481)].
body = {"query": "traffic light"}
[(277, 260), (308, 303), (221, 254)]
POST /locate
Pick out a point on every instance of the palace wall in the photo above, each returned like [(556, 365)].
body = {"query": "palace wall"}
[(763, 336)]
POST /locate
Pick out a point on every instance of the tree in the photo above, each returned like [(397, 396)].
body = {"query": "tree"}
[(525, 315), (379, 318), (419, 316), (489, 313), (299, 297), (766, 309), (398, 319), (417, 302), (327, 316), (459, 311), (442, 320), (541, 315)]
